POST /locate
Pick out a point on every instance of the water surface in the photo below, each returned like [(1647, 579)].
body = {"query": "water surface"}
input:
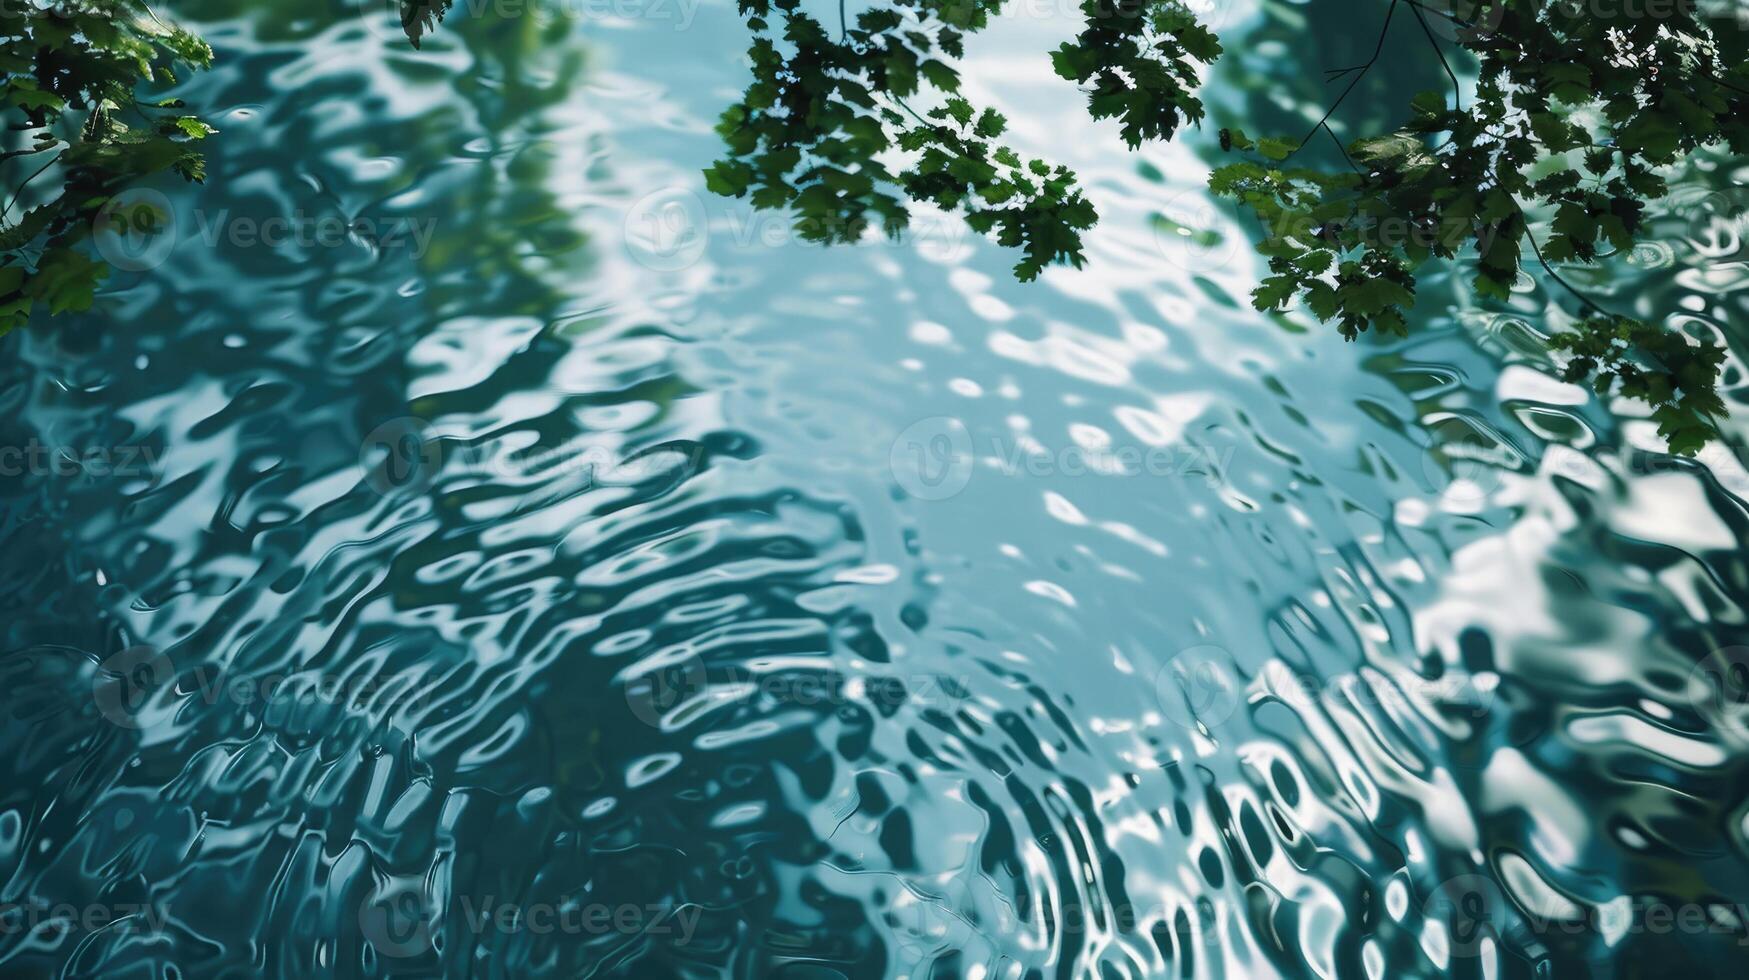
[(567, 573)]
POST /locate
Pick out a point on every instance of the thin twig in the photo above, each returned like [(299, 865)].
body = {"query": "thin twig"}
[(10, 154), (1556, 276), (20, 191), (1344, 150), (1362, 69), (1457, 91), (912, 111)]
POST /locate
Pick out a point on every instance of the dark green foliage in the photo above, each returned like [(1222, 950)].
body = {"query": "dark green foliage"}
[(1573, 115), (1575, 112), (818, 126), (1141, 58), (825, 130), (72, 72), (420, 17), (1658, 367), (1026, 205)]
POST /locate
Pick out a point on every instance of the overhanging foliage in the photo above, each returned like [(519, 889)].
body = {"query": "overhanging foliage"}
[(73, 73)]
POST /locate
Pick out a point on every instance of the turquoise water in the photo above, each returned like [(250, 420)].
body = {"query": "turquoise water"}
[(565, 573)]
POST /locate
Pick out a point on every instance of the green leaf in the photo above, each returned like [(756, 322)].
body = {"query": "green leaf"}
[(1274, 292), (1277, 149), (193, 128), (1490, 286), (65, 280), (728, 179), (940, 75)]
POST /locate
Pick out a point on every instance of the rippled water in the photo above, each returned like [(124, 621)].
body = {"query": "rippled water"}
[(567, 574)]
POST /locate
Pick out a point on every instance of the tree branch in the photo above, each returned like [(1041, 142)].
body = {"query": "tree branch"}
[(1378, 52)]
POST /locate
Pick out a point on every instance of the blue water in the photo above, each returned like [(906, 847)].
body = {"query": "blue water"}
[(567, 573)]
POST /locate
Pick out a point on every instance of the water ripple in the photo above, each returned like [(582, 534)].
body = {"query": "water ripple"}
[(574, 575)]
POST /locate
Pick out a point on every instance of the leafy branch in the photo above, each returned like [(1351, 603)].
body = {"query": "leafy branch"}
[(69, 74), (1573, 117), (825, 131)]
